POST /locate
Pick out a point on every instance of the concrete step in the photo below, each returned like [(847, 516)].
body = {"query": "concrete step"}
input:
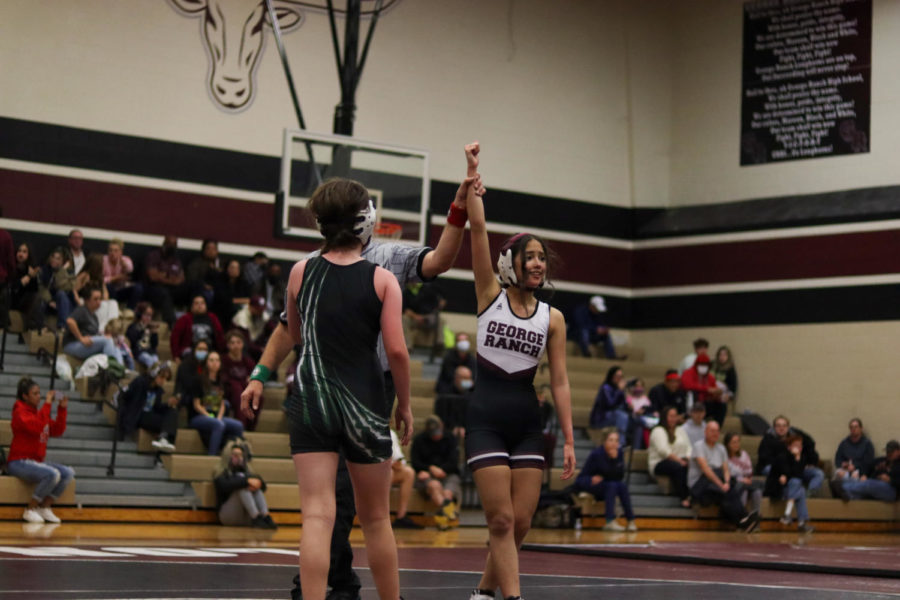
[(177, 501), (76, 406), (17, 359), (98, 458), (655, 500), (30, 368), (86, 433), (129, 487), (11, 379), (154, 474)]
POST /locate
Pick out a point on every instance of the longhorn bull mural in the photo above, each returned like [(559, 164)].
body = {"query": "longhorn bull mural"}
[(233, 33)]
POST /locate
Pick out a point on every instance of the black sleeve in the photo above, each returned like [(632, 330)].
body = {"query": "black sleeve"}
[(731, 380), (417, 456), (227, 482)]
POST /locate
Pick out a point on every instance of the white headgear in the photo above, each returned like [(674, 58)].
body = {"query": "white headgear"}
[(365, 223), (505, 261)]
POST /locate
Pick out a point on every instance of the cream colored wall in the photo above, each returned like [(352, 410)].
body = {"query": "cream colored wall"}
[(541, 84), (705, 164), (819, 376)]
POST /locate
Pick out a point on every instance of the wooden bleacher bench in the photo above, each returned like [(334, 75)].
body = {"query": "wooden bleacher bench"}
[(15, 491), (188, 441), (193, 467)]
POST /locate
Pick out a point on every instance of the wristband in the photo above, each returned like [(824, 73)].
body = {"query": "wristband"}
[(457, 216), (260, 373)]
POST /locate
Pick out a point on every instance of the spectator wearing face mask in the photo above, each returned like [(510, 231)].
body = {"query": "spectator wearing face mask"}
[(458, 356), (701, 384), (701, 346), (451, 406), (642, 412)]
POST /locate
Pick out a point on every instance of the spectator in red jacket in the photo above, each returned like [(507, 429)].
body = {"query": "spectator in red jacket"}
[(702, 385), (196, 325), (31, 428)]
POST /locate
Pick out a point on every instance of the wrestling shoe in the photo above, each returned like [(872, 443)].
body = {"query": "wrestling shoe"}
[(450, 510), (481, 595), (441, 522)]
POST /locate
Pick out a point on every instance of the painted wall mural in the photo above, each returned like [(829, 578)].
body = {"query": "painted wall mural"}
[(233, 33)]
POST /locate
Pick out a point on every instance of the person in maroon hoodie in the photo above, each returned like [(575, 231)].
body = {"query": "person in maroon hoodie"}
[(196, 325), (32, 427), (702, 384), (236, 368)]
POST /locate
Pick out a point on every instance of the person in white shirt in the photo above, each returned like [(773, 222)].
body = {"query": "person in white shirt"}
[(76, 241), (669, 453)]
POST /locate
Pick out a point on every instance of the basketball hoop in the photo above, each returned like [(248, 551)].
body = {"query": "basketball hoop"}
[(389, 231)]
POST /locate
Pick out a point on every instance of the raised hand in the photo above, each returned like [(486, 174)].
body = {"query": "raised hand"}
[(472, 151)]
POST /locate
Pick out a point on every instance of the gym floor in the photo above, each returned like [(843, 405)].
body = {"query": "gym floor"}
[(82, 561)]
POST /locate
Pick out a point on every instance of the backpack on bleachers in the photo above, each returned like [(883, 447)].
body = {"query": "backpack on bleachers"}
[(754, 424), (556, 510)]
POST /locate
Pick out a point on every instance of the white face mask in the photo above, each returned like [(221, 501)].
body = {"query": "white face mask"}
[(463, 345), (466, 384), (702, 369)]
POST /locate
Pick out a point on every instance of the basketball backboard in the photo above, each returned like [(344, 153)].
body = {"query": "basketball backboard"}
[(396, 177)]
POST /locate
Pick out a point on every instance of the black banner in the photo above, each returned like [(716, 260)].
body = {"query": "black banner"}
[(806, 79)]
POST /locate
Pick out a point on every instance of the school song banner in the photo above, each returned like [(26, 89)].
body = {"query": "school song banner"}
[(806, 79)]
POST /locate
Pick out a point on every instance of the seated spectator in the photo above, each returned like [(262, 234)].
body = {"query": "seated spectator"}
[(741, 467), (669, 453), (115, 331), (855, 455), (274, 288), (236, 367), (91, 276), (165, 280), (83, 338), (240, 493), (702, 387), (118, 271), (451, 406), (643, 417), (403, 476), (232, 292), (725, 373), (25, 288), (189, 373), (435, 458), (255, 272), (610, 408), (255, 323), (31, 427), (588, 326), (695, 427), (709, 480), (208, 406), (460, 355), (773, 444), (7, 275), (882, 484), (74, 253), (669, 393), (422, 306), (549, 423), (143, 405), (603, 476), (60, 286), (142, 335), (204, 273), (701, 346), (195, 325), (786, 481)]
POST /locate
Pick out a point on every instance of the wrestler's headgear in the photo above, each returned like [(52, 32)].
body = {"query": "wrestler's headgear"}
[(364, 224), (505, 263)]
